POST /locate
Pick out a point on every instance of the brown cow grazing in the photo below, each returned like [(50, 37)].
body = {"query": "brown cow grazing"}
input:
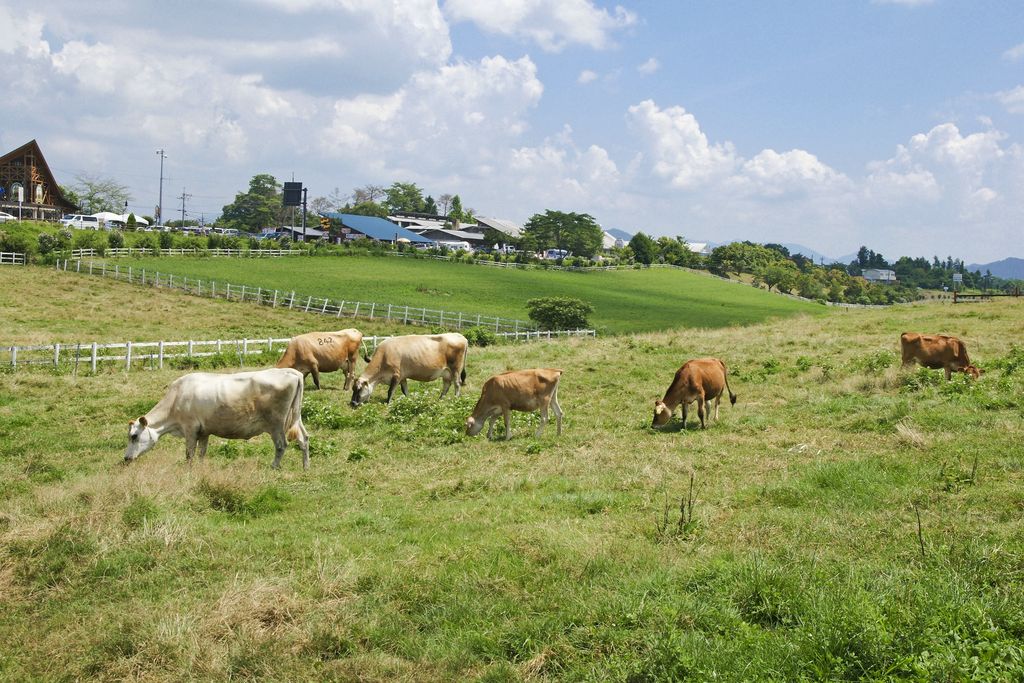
[(316, 352), (937, 351), (522, 390), (698, 380), (422, 357)]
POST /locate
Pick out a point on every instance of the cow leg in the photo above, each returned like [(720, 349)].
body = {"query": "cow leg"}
[(507, 414), (700, 411), (316, 377), (303, 444), (204, 441), (684, 405), (718, 400), (490, 427), (405, 387), (191, 441), (949, 373), (446, 383), (391, 388), (558, 414), (543, 421), (350, 374), (280, 444)]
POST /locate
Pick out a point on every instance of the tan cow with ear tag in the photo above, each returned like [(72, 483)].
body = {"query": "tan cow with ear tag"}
[(700, 380)]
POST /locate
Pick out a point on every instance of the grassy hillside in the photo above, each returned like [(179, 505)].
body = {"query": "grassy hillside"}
[(623, 301), (410, 551)]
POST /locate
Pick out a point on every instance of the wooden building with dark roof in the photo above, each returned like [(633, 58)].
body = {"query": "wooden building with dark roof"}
[(25, 168)]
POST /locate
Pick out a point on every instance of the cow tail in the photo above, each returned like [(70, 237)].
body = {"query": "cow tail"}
[(462, 375), (732, 396), (295, 412), (366, 353)]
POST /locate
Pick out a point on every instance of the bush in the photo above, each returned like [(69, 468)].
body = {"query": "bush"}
[(115, 239), (480, 336), (559, 313)]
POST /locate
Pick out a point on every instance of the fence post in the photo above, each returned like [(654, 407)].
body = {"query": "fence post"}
[(356, 314), (291, 302), (129, 273), (460, 320), (213, 289), (245, 348), (14, 357), (270, 344), (78, 266), (56, 355), (128, 357), (309, 300), (94, 356), (243, 293), (117, 272), (341, 307), (259, 295), (372, 306), (189, 348), (143, 276), (324, 309), (218, 346), (440, 319), (90, 267), (406, 320), (274, 305), (161, 354)]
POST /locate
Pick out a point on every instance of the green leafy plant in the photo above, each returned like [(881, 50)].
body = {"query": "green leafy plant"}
[(559, 312)]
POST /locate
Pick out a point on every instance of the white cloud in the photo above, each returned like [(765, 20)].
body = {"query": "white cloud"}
[(679, 149), (1012, 99), (771, 174), (1014, 53), (551, 24), (586, 76), (649, 67)]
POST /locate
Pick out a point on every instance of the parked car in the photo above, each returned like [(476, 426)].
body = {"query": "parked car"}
[(80, 221), (4, 217), (554, 254), (227, 232), (270, 235)]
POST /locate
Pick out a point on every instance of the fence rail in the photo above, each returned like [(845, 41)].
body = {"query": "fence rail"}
[(119, 252), (155, 353), (12, 258), (338, 308)]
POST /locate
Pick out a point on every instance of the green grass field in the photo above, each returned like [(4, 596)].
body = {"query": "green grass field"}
[(623, 301), (412, 552)]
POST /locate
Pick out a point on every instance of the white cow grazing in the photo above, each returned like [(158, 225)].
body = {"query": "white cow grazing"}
[(522, 390), (232, 406), (422, 357)]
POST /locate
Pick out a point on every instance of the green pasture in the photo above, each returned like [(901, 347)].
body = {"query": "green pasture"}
[(624, 301), (848, 519)]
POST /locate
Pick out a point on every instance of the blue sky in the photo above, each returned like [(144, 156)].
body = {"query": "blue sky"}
[(895, 124)]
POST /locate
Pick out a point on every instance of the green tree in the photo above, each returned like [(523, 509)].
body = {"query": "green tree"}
[(742, 257), (404, 198), (366, 209), (429, 205), (578, 233), (559, 312), (95, 194), (257, 208), (132, 222), (782, 275), (677, 252), (456, 214), (645, 250)]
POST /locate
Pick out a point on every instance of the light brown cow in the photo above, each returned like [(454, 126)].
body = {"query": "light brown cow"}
[(316, 352), (522, 390), (422, 357), (698, 380), (937, 351)]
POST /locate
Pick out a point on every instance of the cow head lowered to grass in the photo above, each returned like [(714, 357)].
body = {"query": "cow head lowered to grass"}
[(238, 405), (422, 357)]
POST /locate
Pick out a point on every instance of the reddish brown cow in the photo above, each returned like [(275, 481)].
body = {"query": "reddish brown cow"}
[(937, 351), (698, 380), (316, 352)]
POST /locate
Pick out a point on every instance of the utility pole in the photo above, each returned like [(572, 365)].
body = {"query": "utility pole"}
[(303, 214), (183, 197), (160, 201)]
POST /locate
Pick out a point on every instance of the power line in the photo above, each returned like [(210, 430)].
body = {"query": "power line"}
[(183, 197)]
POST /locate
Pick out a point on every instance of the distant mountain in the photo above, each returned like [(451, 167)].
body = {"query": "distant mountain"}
[(815, 256), (1008, 269), (619, 234)]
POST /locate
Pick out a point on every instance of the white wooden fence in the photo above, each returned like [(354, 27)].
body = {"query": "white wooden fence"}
[(11, 258), (145, 251), (153, 354), (338, 308)]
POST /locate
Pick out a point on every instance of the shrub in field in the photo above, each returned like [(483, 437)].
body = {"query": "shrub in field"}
[(47, 243), (874, 362), (480, 336), (166, 240), (115, 239), (559, 312)]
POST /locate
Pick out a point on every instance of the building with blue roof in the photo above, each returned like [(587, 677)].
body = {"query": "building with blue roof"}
[(380, 229)]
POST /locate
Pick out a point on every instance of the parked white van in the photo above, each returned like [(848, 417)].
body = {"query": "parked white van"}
[(80, 221)]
